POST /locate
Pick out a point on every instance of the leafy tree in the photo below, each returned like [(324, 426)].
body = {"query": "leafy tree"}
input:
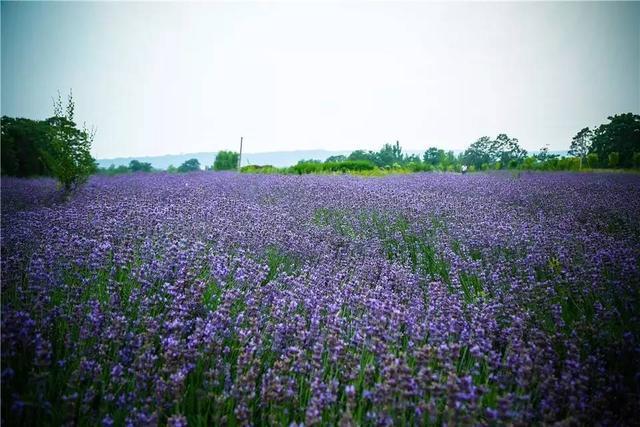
[(347, 165), (368, 156), (434, 156), (412, 158), (592, 160), (172, 169), (450, 160), (479, 153), (307, 166), (529, 162), (190, 165), (22, 143), (67, 151), (543, 155), (507, 150), (389, 155), (336, 159), (138, 166), (621, 135), (501, 152), (113, 170), (581, 143), (226, 160)]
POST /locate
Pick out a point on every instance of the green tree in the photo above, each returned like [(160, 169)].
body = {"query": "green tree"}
[(450, 161), (529, 163), (500, 152), (479, 153), (621, 135), (581, 143), (368, 156), (226, 160), (113, 170), (544, 155), (592, 160), (412, 158), (434, 156), (507, 150), (307, 166), (22, 143), (67, 152), (190, 165), (138, 166), (389, 155), (335, 159)]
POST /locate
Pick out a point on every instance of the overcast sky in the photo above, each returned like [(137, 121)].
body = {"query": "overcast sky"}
[(159, 78)]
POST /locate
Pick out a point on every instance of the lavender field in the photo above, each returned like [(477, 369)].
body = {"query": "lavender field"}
[(225, 299)]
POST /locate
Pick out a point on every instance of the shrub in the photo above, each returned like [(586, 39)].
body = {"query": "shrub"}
[(420, 167), (55, 147), (67, 150), (333, 159), (138, 166), (259, 169), (226, 160), (348, 165), (114, 170), (22, 143), (190, 165), (529, 163), (307, 166), (614, 159)]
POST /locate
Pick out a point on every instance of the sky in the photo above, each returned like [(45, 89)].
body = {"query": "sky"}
[(169, 78)]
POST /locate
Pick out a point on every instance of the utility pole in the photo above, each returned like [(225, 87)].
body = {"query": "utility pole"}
[(240, 156)]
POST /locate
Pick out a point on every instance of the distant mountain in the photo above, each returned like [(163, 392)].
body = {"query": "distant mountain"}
[(274, 158)]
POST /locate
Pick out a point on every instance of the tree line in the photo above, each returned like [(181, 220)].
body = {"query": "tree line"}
[(615, 144), (225, 160), (52, 147), (58, 147)]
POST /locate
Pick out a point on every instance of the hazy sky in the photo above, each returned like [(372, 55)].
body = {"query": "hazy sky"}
[(158, 78)]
